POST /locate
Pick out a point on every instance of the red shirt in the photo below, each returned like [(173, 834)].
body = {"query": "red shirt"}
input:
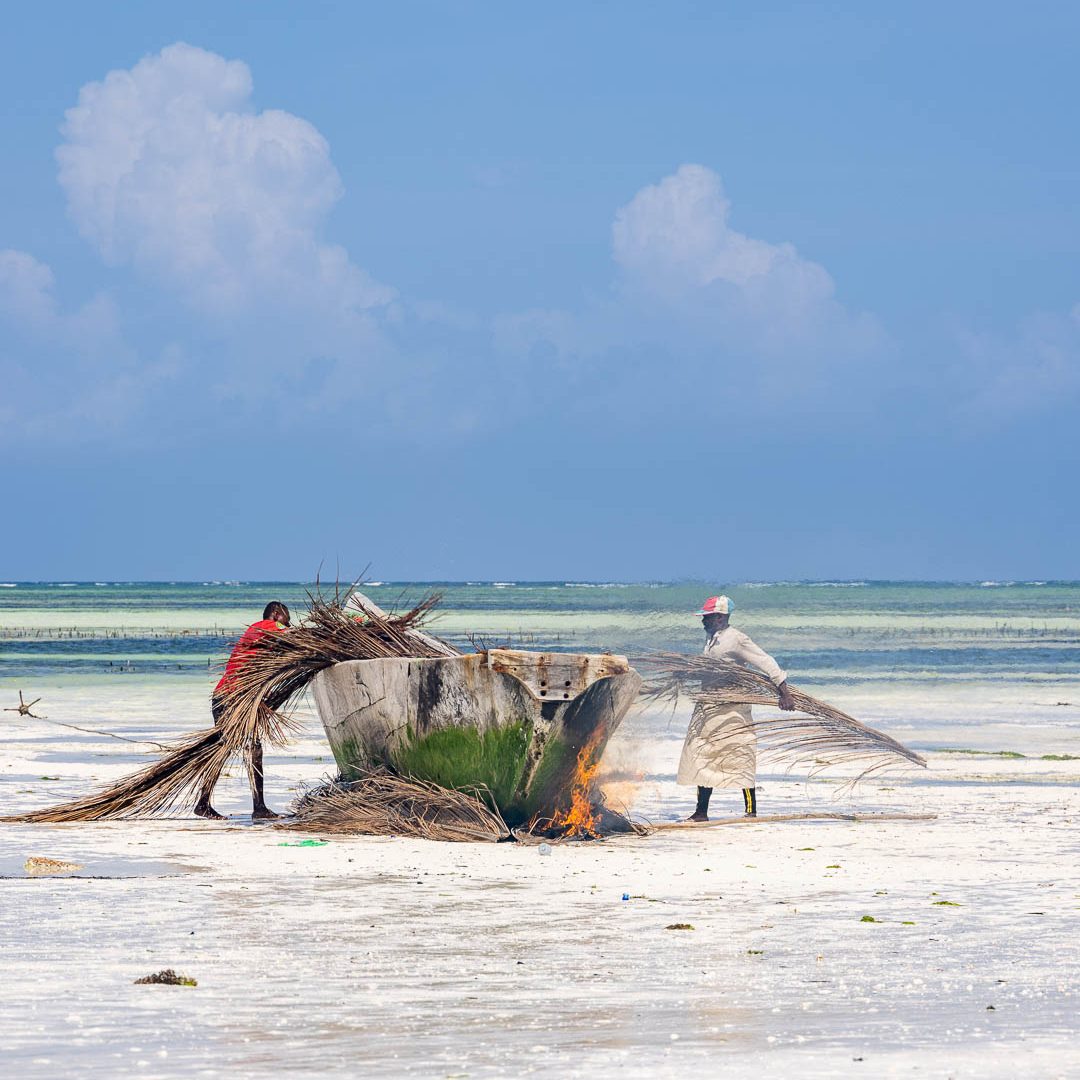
[(244, 648)]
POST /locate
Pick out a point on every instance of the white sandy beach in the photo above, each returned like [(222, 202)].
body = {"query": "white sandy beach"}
[(388, 957)]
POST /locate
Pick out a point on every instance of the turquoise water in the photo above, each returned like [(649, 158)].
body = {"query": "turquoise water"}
[(993, 665), (854, 633)]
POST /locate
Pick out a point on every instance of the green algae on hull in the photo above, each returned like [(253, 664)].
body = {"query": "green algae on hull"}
[(463, 757)]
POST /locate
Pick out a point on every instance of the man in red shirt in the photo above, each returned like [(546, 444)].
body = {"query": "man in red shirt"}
[(275, 619)]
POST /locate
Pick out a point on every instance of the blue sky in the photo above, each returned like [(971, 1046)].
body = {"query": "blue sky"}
[(608, 291)]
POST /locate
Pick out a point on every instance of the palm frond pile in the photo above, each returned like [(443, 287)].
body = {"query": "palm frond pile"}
[(382, 803), (277, 670), (818, 735)]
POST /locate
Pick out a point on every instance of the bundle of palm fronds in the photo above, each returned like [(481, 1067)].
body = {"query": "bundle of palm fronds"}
[(277, 669), (823, 737), (152, 790), (280, 666), (382, 803)]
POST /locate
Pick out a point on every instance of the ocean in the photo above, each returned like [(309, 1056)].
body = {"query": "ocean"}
[(991, 665)]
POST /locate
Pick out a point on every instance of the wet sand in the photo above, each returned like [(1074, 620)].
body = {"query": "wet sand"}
[(389, 957)]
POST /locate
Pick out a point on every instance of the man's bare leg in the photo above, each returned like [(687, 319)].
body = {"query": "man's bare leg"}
[(259, 810), (203, 807)]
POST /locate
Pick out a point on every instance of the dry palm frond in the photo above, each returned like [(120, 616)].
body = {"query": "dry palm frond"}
[(384, 804), (823, 737), (172, 779), (273, 674), (280, 666)]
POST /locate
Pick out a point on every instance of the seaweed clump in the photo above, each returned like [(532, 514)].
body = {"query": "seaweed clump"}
[(166, 977)]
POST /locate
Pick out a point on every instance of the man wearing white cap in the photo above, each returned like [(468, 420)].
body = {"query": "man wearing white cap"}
[(720, 749)]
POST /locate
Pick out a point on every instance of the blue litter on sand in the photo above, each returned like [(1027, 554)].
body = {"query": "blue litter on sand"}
[(626, 896)]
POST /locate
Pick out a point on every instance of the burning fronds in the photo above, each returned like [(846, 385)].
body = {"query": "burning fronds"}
[(586, 816), (823, 737), (383, 804), (582, 818)]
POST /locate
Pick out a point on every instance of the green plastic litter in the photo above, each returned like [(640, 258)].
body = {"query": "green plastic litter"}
[(303, 843)]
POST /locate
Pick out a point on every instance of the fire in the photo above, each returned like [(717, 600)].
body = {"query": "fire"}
[(581, 819)]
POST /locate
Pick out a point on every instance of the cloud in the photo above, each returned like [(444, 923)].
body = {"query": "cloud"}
[(168, 168), (26, 289), (1034, 370), (65, 373), (29, 307), (675, 234), (700, 311), (676, 252)]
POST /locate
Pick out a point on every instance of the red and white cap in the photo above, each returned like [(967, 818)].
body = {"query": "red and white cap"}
[(716, 605)]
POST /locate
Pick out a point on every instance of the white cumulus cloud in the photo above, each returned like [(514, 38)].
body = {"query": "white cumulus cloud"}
[(674, 245), (168, 167), (695, 302)]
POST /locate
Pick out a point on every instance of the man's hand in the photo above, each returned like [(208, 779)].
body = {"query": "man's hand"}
[(787, 702)]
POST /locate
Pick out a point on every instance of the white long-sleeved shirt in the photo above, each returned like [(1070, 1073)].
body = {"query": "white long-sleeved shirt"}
[(732, 644)]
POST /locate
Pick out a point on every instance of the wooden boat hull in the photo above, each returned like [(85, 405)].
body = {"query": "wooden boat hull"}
[(511, 723)]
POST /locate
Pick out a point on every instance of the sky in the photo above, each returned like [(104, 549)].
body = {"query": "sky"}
[(615, 291)]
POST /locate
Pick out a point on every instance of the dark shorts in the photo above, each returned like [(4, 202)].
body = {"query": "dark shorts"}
[(217, 710)]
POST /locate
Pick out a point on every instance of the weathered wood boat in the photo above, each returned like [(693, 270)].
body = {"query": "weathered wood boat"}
[(511, 723)]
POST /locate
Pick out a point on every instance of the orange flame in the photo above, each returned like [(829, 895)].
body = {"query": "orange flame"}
[(581, 819)]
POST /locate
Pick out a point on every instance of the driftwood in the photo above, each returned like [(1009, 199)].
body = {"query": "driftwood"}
[(766, 819), (23, 709), (818, 735), (279, 667)]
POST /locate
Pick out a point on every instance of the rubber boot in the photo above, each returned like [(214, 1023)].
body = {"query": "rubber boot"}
[(749, 795)]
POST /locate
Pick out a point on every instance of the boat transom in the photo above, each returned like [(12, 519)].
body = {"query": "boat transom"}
[(556, 676)]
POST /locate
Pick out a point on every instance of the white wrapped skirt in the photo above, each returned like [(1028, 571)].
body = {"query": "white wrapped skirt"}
[(720, 750)]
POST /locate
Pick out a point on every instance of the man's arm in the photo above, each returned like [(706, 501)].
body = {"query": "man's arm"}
[(757, 657)]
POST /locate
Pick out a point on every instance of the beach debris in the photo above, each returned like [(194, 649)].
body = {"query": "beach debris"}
[(23, 708), (823, 737), (868, 918), (544, 849), (303, 843), (167, 977), (40, 866), (381, 803), (278, 668), (947, 903), (679, 926), (982, 753)]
